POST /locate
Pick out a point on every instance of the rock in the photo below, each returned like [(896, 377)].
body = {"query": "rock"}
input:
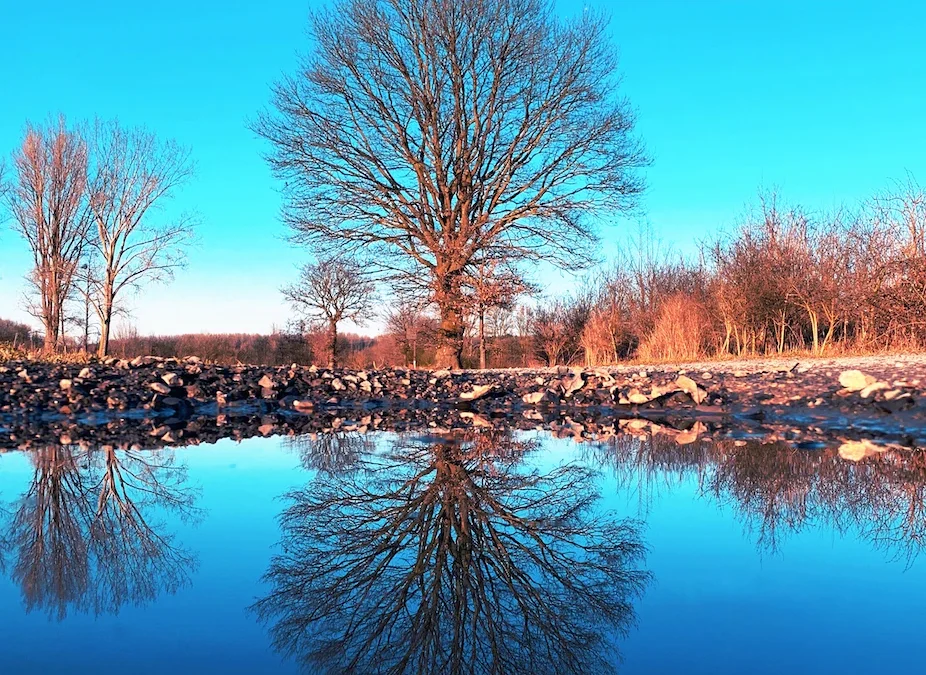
[(159, 388), (872, 388), (220, 398), (690, 387), (572, 383), (171, 379), (478, 391), (855, 451), (65, 385), (266, 382), (85, 374), (302, 405), (338, 385), (637, 398), (855, 380), (542, 396), (896, 404)]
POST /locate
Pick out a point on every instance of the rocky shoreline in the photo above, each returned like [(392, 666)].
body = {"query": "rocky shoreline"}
[(152, 402)]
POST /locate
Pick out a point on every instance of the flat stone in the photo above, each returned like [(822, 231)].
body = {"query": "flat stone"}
[(855, 380), (872, 388), (478, 391), (159, 388), (171, 379)]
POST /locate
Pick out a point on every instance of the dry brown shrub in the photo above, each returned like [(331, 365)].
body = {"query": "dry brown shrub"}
[(681, 332)]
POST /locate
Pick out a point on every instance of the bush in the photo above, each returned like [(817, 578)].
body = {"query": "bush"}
[(680, 334)]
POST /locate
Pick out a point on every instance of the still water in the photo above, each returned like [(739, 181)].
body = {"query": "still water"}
[(473, 553)]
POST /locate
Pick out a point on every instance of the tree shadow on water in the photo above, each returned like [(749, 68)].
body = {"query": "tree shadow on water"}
[(446, 554)]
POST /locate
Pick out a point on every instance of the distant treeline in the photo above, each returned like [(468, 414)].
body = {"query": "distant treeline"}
[(229, 348), (18, 334)]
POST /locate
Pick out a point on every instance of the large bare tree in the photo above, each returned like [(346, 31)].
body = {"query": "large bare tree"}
[(46, 200), (330, 291), (427, 132), (132, 173)]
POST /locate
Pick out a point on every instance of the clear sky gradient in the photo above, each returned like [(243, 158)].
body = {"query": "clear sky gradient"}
[(824, 100)]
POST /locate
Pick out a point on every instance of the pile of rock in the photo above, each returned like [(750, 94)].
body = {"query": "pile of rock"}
[(40, 399)]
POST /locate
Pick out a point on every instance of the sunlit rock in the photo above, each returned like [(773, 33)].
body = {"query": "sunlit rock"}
[(855, 380)]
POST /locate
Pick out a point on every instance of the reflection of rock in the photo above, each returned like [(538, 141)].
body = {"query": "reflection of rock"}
[(81, 538), (447, 556), (855, 451)]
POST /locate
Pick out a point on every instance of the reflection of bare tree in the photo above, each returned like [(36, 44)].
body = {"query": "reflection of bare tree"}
[(778, 489), (85, 535), (447, 556)]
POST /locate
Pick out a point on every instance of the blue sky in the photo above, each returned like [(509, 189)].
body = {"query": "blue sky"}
[(824, 100)]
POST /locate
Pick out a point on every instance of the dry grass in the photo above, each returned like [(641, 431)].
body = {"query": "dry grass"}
[(10, 352), (680, 333)]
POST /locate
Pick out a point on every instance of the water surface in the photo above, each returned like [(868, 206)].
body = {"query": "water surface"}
[(471, 552)]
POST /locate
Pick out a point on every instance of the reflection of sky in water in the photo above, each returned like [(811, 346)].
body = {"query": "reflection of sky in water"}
[(821, 601)]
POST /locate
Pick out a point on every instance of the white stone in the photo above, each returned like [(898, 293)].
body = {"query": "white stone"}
[(855, 380)]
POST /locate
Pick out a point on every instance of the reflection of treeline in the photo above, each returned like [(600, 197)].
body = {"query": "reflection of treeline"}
[(87, 535), (778, 489)]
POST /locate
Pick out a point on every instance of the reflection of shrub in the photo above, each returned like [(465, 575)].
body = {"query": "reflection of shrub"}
[(680, 332)]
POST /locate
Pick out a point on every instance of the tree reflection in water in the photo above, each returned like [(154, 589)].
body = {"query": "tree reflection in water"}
[(333, 452), (777, 489), (87, 534), (447, 555)]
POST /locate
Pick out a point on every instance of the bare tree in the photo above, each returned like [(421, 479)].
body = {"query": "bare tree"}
[(46, 200), (132, 173), (428, 132), (558, 326), (491, 285), (330, 291), (411, 327)]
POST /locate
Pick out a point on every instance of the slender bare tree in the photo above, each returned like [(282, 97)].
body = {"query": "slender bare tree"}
[(330, 291), (427, 132), (46, 200), (132, 173), (490, 285), (410, 325)]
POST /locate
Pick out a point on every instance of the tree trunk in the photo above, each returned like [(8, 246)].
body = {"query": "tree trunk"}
[(106, 321), (482, 338), (51, 333), (332, 343), (450, 333)]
